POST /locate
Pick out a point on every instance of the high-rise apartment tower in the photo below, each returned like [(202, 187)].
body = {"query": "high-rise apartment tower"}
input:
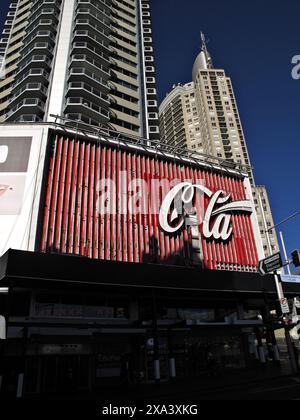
[(87, 60)]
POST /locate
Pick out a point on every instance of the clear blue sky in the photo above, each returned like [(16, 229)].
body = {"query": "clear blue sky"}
[(254, 41)]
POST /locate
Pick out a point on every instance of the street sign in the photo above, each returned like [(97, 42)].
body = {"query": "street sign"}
[(285, 309), (270, 264), (290, 278)]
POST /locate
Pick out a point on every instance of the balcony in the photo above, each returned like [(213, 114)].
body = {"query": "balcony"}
[(50, 13), (87, 92), (92, 40), (84, 24), (37, 75), (87, 62), (81, 105), (85, 12), (40, 36), (44, 26), (27, 106), (36, 61), (84, 47), (30, 90), (97, 6), (29, 118), (79, 74), (37, 48)]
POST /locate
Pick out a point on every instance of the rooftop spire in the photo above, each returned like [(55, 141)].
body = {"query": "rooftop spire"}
[(205, 50)]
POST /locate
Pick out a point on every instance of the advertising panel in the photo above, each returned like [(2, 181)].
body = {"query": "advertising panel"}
[(20, 157), (126, 204)]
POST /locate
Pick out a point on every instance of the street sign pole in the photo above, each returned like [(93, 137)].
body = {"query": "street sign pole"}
[(280, 294)]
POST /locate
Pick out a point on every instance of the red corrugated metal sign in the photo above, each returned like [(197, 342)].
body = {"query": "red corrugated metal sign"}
[(121, 204)]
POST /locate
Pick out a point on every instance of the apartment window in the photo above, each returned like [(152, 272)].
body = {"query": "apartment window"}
[(153, 129), (149, 58), (153, 116), (146, 22), (147, 39), (150, 79), (146, 14), (147, 31), (151, 91), (149, 49), (145, 6), (152, 103), (150, 69)]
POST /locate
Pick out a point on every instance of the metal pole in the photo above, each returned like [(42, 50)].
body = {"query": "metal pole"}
[(280, 295), (285, 220), (284, 252)]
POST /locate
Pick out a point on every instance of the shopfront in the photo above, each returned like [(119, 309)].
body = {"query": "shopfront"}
[(66, 343)]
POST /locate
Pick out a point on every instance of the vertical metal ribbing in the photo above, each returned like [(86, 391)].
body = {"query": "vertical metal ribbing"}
[(234, 246), (113, 206), (52, 216), (241, 195), (177, 174), (45, 226), (124, 208), (77, 219), (151, 206), (237, 219), (84, 202), (163, 239), (72, 223), (147, 207), (66, 197), (220, 248), (72, 204), (90, 203), (107, 237), (230, 246), (96, 203), (253, 256), (118, 207), (140, 192), (59, 203), (134, 226), (101, 214), (129, 213), (152, 243), (209, 252)]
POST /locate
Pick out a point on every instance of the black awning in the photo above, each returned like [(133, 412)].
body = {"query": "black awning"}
[(28, 268)]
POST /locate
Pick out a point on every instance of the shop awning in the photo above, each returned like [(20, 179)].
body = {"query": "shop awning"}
[(31, 269)]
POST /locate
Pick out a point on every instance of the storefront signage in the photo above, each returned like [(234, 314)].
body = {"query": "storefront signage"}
[(217, 217)]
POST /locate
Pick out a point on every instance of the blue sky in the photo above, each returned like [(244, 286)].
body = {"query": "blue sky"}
[(254, 41)]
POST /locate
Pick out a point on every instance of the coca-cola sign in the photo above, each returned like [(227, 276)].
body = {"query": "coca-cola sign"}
[(177, 211)]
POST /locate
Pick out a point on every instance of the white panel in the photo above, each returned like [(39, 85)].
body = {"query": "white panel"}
[(60, 71), (20, 183), (254, 222)]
